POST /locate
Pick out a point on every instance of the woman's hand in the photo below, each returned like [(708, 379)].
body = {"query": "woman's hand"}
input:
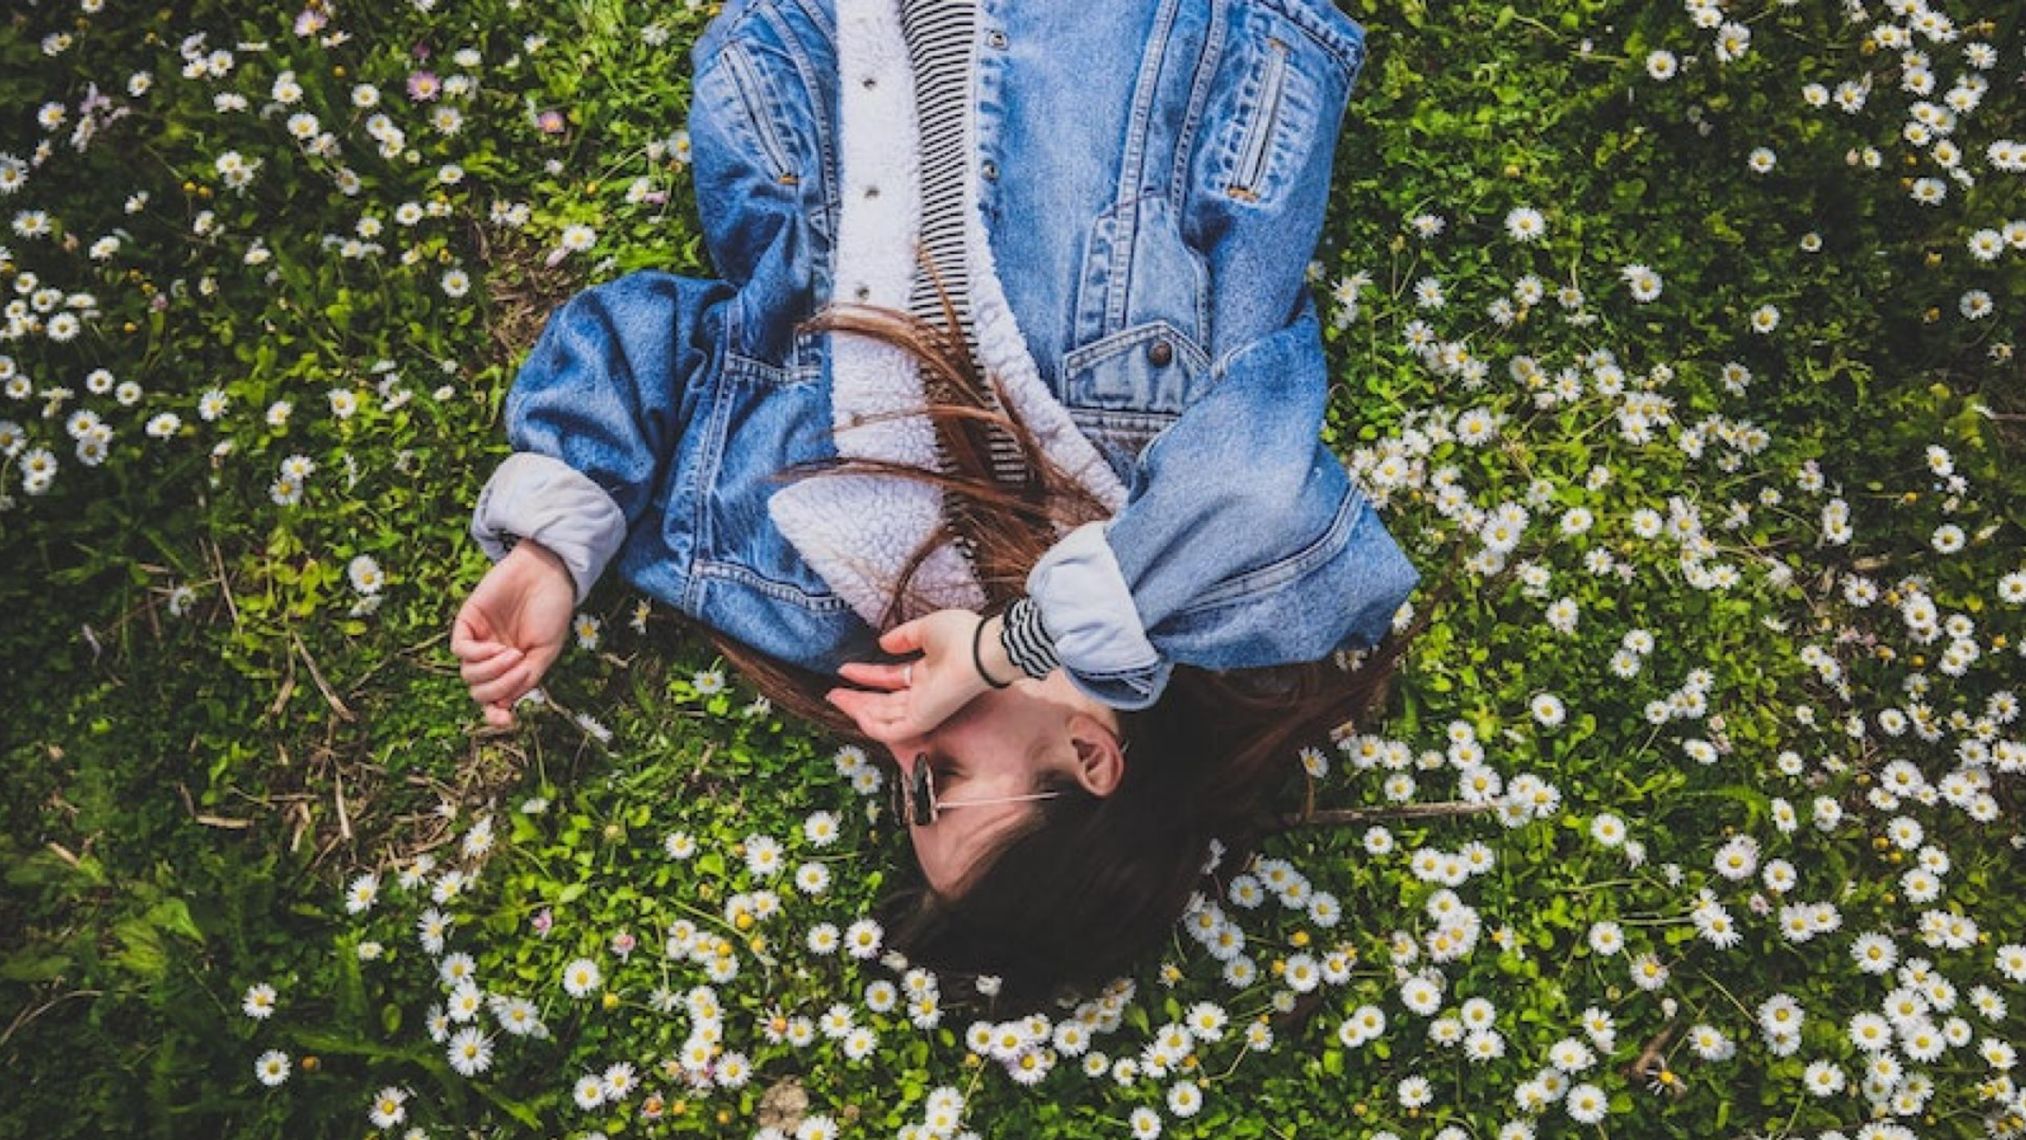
[(512, 627), (908, 700)]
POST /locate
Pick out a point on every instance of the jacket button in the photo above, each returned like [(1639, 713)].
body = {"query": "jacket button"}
[(1160, 353), (996, 38), (990, 170)]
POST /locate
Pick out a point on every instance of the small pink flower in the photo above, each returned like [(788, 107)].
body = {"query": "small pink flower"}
[(1759, 904), (542, 922), (423, 86), (623, 943), (309, 22), (551, 122)]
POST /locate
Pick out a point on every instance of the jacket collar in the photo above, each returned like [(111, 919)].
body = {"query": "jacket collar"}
[(859, 531)]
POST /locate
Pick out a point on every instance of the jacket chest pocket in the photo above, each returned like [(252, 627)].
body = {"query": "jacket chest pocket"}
[(758, 106), (1270, 104), (1125, 389)]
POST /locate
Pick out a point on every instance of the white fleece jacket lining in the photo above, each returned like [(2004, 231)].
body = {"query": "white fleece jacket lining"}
[(858, 531)]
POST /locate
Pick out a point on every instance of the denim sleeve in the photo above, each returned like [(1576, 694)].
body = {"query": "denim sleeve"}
[(595, 414), (1242, 544)]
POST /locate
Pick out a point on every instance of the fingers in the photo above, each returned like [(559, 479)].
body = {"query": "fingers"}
[(499, 716), (884, 717), (903, 638), (877, 676), (505, 687), (471, 634), (480, 670)]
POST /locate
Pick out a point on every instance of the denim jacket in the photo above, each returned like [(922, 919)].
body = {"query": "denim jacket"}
[(1147, 184)]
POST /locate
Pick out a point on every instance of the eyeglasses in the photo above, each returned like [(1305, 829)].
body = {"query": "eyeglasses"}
[(914, 797)]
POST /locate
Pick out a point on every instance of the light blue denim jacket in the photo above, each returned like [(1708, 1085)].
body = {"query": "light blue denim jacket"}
[(1153, 182)]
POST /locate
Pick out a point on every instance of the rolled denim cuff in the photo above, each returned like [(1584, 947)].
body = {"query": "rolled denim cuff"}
[(1088, 608), (537, 496)]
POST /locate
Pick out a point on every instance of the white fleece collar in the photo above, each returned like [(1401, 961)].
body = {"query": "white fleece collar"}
[(858, 531)]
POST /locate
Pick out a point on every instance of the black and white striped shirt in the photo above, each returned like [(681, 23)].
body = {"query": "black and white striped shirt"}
[(942, 41)]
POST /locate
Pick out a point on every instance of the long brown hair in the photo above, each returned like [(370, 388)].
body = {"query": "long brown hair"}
[(1084, 884)]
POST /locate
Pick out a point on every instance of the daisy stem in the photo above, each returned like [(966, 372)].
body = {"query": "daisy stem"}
[(1598, 886), (1748, 1015), (713, 919), (1788, 1127), (1236, 1058)]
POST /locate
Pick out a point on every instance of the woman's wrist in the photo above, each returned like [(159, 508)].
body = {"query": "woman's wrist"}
[(988, 655), (541, 555)]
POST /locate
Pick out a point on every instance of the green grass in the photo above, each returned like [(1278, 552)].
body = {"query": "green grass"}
[(210, 731)]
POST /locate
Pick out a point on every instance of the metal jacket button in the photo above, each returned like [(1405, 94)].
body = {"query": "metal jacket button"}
[(1160, 352), (996, 38), (990, 170)]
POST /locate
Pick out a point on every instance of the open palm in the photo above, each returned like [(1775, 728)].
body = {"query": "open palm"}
[(511, 629)]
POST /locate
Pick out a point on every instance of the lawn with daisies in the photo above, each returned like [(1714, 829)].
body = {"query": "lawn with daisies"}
[(1678, 343)]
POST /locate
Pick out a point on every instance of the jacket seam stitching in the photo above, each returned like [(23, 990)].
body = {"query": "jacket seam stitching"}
[(1120, 341), (707, 480), (1128, 674), (1132, 164), (1199, 98), (772, 587), (1347, 49), (813, 92)]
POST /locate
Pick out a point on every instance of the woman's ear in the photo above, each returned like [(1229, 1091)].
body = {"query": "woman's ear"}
[(1100, 764)]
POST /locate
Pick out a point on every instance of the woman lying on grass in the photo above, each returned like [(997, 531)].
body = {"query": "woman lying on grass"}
[(994, 446)]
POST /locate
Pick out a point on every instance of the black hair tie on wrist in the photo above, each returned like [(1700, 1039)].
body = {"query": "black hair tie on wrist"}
[(977, 657)]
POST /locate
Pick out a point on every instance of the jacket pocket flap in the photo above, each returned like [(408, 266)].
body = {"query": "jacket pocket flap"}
[(1148, 368)]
